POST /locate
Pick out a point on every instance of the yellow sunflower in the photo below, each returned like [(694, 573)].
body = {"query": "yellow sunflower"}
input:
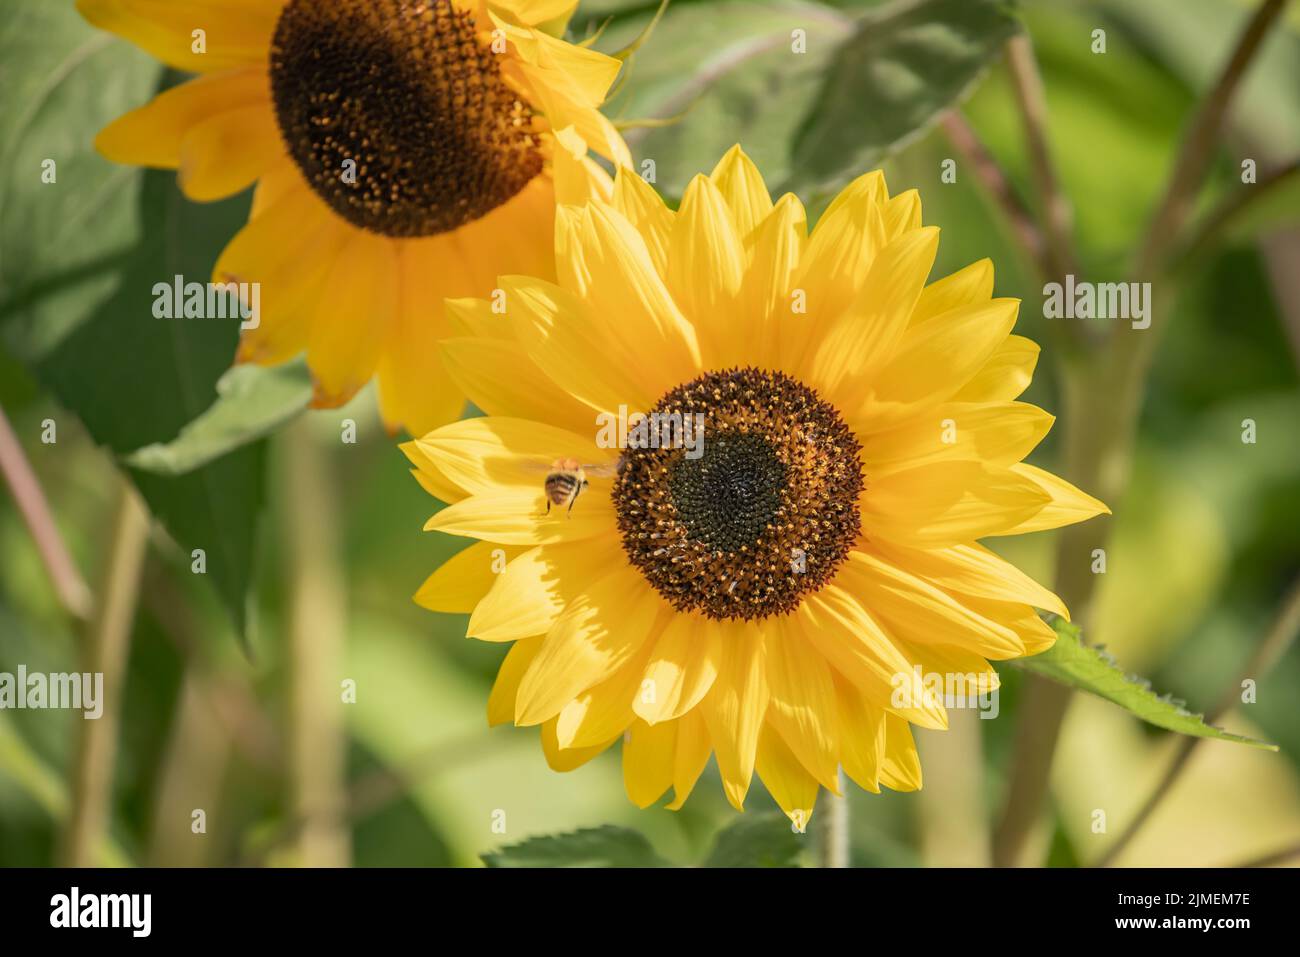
[(759, 571), (403, 150)]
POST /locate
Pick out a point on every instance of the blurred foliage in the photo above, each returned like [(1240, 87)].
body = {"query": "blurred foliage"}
[(1205, 547)]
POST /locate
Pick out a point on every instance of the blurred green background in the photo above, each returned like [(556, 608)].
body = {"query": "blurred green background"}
[(1207, 542)]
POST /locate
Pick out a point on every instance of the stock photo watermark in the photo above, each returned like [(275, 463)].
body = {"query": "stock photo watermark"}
[(55, 691), (658, 430), (917, 688), (209, 300), (1106, 300)]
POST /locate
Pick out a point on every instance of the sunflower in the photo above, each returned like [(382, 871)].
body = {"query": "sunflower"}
[(763, 586), (403, 150)]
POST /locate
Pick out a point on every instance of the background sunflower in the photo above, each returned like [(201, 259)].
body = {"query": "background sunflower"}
[(102, 397), (401, 151)]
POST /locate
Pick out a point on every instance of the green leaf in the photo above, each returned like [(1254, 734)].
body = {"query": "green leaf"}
[(79, 258), (252, 401), (756, 840), (903, 65), (62, 243), (134, 380), (729, 67), (606, 846), (1089, 668)]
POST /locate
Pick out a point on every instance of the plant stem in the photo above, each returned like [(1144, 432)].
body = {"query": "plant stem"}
[(318, 612), (1200, 142), (1027, 83), (35, 510), (1025, 230), (1210, 230), (834, 830), (108, 641), (1279, 638), (1103, 388)]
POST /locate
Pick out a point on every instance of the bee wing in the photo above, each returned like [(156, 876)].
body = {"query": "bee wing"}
[(595, 470)]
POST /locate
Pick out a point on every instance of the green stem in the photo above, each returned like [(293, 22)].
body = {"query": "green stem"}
[(318, 612), (833, 849), (108, 641), (35, 510)]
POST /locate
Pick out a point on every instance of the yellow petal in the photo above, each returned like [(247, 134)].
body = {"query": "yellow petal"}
[(950, 503), (973, 570), (516, 238), (566, 759), (902, 214), (1036, 634), (1005, 375), (862, 741), (648, 757), (706, 262), (917, 611), (462, 580), (566, 103), (861, 341), (681, 669), (842, 247), (901, 769), (789, 783), (779, 335), (965, 287), (961, 673), (604, 262), (997, 434), (518, 517), (235, 32), (358, 304), (557, 331), (290, 276), (501, 702), (741, 185), (603, 711), (430, 479), (499, 377), (692, 754), (646, 211), (598, 632), (537, 585), (859, 649), (1067, 504), (802, 706), (577, 178), (548, 15), (153, 134), (734, 707), (497, 454), (225, 153), (413, 389), (935, 360)]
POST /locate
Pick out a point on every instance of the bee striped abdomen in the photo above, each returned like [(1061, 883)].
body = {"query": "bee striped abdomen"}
[(560, 487)]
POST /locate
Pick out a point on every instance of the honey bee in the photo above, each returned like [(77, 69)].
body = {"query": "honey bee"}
[(567, 478)]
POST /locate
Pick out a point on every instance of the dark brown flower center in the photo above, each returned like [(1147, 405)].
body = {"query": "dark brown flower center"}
[(397, 114), (762, 517)]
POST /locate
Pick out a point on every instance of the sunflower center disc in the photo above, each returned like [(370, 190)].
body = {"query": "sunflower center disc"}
[(763, 517), (397, 113)]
